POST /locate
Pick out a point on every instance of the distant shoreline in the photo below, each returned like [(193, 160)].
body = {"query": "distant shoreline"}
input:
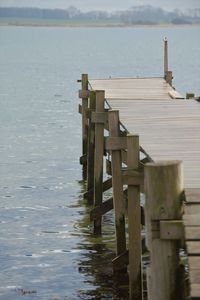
[(91, 25)]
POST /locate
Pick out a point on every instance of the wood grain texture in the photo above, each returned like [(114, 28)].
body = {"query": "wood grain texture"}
[(163, 189), (98, 160), (119, 204), (134, 221)]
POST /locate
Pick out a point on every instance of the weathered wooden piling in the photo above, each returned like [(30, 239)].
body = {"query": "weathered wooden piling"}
[(134, 220), (115, 144), (163, 211), (167, 74), (84, 95), (98, 157), (91, 148), (165, 56)]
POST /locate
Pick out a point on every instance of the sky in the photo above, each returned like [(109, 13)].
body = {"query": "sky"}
[(110, 5)]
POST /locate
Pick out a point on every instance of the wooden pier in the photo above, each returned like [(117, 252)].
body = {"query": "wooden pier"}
[(152, 146)]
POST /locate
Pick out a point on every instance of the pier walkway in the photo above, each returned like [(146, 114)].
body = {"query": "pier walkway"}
[(169, 129)]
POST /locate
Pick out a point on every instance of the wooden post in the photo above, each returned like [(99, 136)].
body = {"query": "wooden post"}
[(118, 197), (165, 56), (90, 149), (98, 159), (169, 77), (163, 188), (190, 96), (167, 74), (134, 222), (84, 81)]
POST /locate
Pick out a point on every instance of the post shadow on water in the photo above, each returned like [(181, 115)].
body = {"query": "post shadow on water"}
[(96, 258)]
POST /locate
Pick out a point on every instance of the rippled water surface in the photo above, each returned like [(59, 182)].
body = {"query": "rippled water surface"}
[(47, 250)]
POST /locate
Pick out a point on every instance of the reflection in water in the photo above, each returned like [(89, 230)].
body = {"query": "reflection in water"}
[(96, 257)]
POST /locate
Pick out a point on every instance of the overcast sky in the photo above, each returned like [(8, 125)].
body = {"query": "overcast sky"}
[(86, 5)]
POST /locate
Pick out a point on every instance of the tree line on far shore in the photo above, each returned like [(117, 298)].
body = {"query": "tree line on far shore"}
[(134, 15)]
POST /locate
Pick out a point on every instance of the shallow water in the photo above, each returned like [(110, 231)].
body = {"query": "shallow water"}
[(47, 250)]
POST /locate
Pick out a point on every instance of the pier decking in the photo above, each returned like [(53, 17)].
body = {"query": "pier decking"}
[(169, 129)]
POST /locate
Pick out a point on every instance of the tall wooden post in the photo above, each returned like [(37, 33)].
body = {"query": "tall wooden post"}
[(84, 81), (90, 148), (118, 197), (163, 188), (167, 74), (134, 222), (165, 56), (98, 159)]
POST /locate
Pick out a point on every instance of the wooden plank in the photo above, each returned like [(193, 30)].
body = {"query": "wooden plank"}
[(102, 209), (194, 262), (115, 143), (175, 95), (132, 177), (192, 209), (105, 207), (191, 220), (192, 195), (106, 186), (192, 233), (195, 276), (121, 261), (193, 248), (171, 230), (195, 291)]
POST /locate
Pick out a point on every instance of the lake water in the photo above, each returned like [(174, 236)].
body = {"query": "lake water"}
[(47, 250)]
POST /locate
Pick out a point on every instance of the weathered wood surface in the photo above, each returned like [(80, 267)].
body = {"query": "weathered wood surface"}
[(118, 196), (163, 204), (135, 88), (84, 84), (98, 159), (169, 129), (134, 221)]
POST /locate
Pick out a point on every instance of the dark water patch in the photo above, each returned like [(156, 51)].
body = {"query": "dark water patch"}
[(8, 196), (27, 187), (26, 292), (51, 232)]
